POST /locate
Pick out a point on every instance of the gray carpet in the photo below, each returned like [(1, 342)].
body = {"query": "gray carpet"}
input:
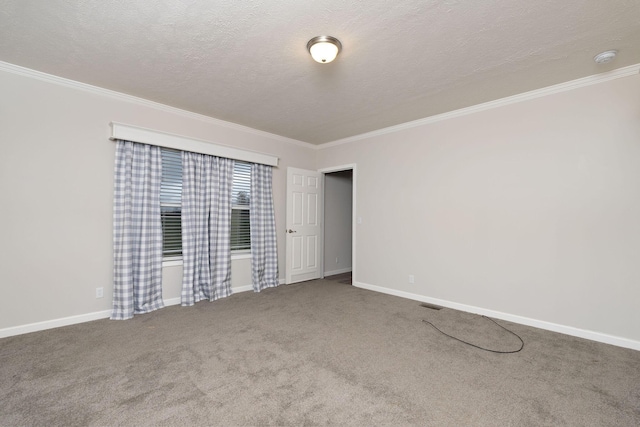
[(320, 352), (342, 278)]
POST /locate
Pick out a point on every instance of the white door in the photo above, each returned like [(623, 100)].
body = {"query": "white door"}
[(304, 223)]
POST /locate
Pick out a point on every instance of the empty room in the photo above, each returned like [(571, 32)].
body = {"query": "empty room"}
[(320, 213)]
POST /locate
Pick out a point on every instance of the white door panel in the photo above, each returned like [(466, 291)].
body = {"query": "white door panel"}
[(304, 224)]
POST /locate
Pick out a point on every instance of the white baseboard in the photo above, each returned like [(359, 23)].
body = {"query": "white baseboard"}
[(248, 288), (340, 271), (567, 330), (56, 323), (88, 317), (171, 301), (66, 321)]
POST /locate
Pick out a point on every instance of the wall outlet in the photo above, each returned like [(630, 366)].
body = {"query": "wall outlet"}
[(412, 278), (336, 260), (99, 292)]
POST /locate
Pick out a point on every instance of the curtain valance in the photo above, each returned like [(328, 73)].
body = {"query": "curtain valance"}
[(183, 143)]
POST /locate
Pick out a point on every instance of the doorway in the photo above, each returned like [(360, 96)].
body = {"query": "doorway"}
[(306, 257), (338, 254)]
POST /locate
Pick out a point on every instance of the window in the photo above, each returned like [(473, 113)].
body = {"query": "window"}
[(171, 198), (170, 203), (240, 230)]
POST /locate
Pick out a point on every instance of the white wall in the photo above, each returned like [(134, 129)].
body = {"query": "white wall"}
[(338, 191), (56, 187), (530, 209)]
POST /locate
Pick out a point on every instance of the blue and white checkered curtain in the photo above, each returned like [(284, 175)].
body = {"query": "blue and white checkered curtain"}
[(264, 251), (207, 182), (137, 230)]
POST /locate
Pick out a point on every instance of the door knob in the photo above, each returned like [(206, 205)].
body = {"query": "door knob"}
[(291, 231)]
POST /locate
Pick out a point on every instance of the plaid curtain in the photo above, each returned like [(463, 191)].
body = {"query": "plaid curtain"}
[(137, 231), (207, 182), (264, 251)]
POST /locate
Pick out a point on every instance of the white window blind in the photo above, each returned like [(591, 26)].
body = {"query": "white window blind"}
[(240, 228), (171, 203)]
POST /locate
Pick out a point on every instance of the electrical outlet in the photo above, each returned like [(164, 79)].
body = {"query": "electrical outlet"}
[(99, 292), (336, 260), (412, 278)]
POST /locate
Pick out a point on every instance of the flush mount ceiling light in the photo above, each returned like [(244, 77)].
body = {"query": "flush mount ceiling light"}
[(605, 57), (324, 49)]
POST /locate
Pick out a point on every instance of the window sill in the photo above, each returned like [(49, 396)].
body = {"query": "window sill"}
[(177, 261), (241, 255), (171, 262)]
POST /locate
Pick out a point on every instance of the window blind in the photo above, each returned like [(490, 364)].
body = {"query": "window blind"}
[(241, 193), (171, 202)]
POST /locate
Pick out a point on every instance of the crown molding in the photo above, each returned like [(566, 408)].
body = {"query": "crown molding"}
[(562, 87), (549, 90), (61, 81)]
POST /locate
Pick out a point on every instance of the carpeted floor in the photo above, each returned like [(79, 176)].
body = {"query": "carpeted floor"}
[(319, 352), (344, 278)]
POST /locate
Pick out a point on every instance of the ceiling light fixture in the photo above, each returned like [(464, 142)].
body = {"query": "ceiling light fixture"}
[(324, 49), (605, 57)]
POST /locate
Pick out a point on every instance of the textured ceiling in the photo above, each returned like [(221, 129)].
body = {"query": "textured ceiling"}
[(246, 62)]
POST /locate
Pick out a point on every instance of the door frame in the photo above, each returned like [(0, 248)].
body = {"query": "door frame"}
[(352, 167)]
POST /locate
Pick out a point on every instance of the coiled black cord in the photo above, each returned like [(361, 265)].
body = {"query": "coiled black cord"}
[(482, 348)]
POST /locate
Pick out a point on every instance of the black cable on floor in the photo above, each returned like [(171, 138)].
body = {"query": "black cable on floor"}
[(482, 348)]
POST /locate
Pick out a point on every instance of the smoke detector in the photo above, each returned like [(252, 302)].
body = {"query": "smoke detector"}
[(605, 57)]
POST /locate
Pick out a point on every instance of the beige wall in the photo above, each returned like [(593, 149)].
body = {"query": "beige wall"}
[(337, 221), (530, 209), (56, 187)]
